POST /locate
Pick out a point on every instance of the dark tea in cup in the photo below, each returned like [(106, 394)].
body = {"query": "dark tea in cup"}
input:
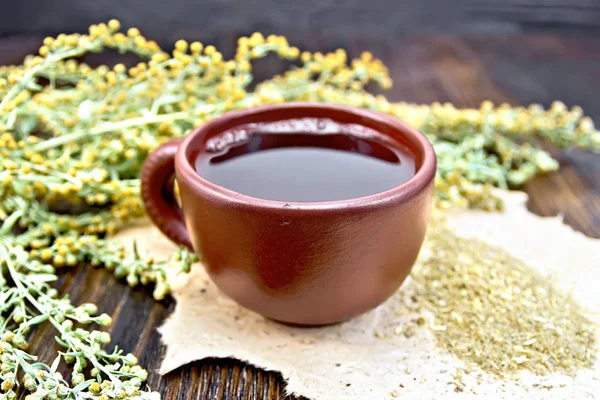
[(305, 160)]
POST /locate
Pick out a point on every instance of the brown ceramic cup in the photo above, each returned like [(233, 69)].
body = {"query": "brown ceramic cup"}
[(298, 263)]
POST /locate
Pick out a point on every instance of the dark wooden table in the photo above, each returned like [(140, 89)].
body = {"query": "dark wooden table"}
[(518, 69)]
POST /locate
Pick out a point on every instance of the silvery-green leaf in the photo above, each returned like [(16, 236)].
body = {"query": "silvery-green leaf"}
[(55, 364)]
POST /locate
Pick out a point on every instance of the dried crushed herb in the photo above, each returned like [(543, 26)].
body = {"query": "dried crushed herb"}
[(496, 313)]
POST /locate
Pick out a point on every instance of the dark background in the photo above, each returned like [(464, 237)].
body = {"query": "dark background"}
[(166, 20)]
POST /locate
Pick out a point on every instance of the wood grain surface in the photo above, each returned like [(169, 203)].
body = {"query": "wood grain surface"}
[(464, 70)]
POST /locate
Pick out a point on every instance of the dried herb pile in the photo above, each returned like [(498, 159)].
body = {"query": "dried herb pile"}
[(496, 313), (78, 135)]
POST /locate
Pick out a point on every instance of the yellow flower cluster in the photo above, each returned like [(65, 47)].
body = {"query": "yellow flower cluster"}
[(102, 34)]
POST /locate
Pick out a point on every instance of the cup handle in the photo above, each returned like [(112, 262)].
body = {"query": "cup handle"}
[(157, 179)]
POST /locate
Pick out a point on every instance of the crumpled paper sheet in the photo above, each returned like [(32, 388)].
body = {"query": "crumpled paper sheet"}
[(363, 358)]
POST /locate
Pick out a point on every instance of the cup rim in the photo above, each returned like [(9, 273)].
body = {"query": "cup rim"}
[(416, 184)]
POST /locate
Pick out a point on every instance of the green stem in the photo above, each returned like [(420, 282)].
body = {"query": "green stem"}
[(42, 310), (107, 127), (20, 85), (10, 222), (33, 71)]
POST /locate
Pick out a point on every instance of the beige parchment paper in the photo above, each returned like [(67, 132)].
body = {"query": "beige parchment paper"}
[(363, 358)]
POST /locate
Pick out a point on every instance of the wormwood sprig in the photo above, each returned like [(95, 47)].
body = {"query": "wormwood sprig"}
[(28, 300), (80, 346), (73, 139)]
